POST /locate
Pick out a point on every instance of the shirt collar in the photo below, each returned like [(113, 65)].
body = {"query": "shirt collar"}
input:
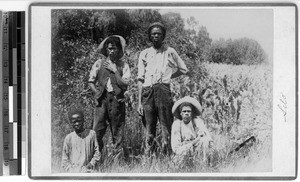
[(161, 49)]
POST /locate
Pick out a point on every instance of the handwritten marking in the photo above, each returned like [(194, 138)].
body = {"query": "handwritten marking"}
[(283, 105)]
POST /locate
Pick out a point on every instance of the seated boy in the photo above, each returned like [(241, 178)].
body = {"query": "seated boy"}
[(189, 134), (80, 150)]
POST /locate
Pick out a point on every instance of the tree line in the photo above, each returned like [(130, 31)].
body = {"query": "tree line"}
[(85, 27)]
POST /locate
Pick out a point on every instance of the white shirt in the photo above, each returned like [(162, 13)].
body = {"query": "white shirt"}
[(157, 66), (79, 151), (182, 135)]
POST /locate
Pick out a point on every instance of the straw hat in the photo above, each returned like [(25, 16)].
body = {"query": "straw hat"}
[(194, 102), (122, 41)]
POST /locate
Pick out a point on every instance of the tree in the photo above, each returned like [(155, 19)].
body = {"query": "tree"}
[(239, 51)]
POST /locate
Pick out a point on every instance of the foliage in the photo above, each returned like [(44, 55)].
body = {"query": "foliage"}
[(236, 100), (239, 51)]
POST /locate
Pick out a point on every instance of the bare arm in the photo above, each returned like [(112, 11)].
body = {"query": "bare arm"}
[(121, 82)]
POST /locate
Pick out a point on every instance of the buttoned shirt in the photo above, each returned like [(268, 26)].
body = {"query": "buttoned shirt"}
[(96, 67), (182, 135), (79, 151), (158, 65)]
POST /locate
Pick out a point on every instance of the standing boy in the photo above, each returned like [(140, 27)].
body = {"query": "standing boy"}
[(157, 65), (80, 150), (112, 75)]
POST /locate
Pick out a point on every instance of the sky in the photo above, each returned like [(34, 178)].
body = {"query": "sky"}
[(228, 23)]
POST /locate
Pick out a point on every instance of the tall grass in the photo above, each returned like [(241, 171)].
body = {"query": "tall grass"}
[(235, 108)]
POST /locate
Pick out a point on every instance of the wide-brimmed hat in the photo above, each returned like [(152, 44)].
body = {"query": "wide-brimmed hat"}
[(191, 100), (157, 24), (122, 41)]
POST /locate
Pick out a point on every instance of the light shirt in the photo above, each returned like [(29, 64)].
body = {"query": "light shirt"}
[(182, 135), (157, 66), (79, 151), (96, 67)]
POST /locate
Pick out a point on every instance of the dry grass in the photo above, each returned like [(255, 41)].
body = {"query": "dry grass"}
[(252, 85)]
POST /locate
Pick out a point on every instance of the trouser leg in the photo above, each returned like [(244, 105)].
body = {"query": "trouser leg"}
[(116, 112), (150, 131), (150, 117), (164, 102), (100, 125)]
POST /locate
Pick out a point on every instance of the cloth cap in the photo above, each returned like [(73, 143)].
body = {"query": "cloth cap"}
[(191, 100), (156, 24), (103, 49)]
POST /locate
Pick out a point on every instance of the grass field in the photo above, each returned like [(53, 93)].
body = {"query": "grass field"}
[(236, 105)]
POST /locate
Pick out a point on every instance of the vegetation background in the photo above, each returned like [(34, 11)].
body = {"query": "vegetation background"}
[(231, 79)]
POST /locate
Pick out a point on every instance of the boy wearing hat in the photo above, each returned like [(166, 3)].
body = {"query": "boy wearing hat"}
[(80, 150), (157, 65), (112, 75), (189, 134)]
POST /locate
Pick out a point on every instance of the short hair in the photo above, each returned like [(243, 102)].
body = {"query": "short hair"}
[(157, 25), (112, 40), (75, 110)]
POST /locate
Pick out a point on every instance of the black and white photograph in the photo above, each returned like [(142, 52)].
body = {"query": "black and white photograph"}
[(160, 91)]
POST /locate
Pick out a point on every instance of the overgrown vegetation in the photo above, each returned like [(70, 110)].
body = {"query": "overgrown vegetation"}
[(236, 98)]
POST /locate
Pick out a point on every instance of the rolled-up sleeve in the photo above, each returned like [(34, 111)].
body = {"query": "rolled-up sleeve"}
[(94, 72), (126, 73), (141, 67), (180, 63)]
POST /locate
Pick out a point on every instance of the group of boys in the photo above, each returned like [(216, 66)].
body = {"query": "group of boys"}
[(157, 65)]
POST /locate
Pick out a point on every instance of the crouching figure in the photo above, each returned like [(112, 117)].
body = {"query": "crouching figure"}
[(189, 136)]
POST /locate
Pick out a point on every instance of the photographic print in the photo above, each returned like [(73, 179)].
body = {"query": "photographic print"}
[(143, 90)]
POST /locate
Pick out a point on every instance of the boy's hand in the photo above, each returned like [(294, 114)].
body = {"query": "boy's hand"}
[(110, 66), (97, 94), (140, 110)]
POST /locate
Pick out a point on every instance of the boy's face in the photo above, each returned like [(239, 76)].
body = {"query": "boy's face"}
[(77, 122), (186, 114), (112, 51), (157, 36)]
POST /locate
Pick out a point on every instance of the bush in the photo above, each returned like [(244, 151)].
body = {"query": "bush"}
[(239, 51)]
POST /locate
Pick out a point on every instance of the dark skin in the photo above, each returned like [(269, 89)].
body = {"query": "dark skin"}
[(186, 114), (77, 123), (156, 36), (113, 53)]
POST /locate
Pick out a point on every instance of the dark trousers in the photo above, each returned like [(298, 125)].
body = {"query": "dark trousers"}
[(109, 112), (157, 102)]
